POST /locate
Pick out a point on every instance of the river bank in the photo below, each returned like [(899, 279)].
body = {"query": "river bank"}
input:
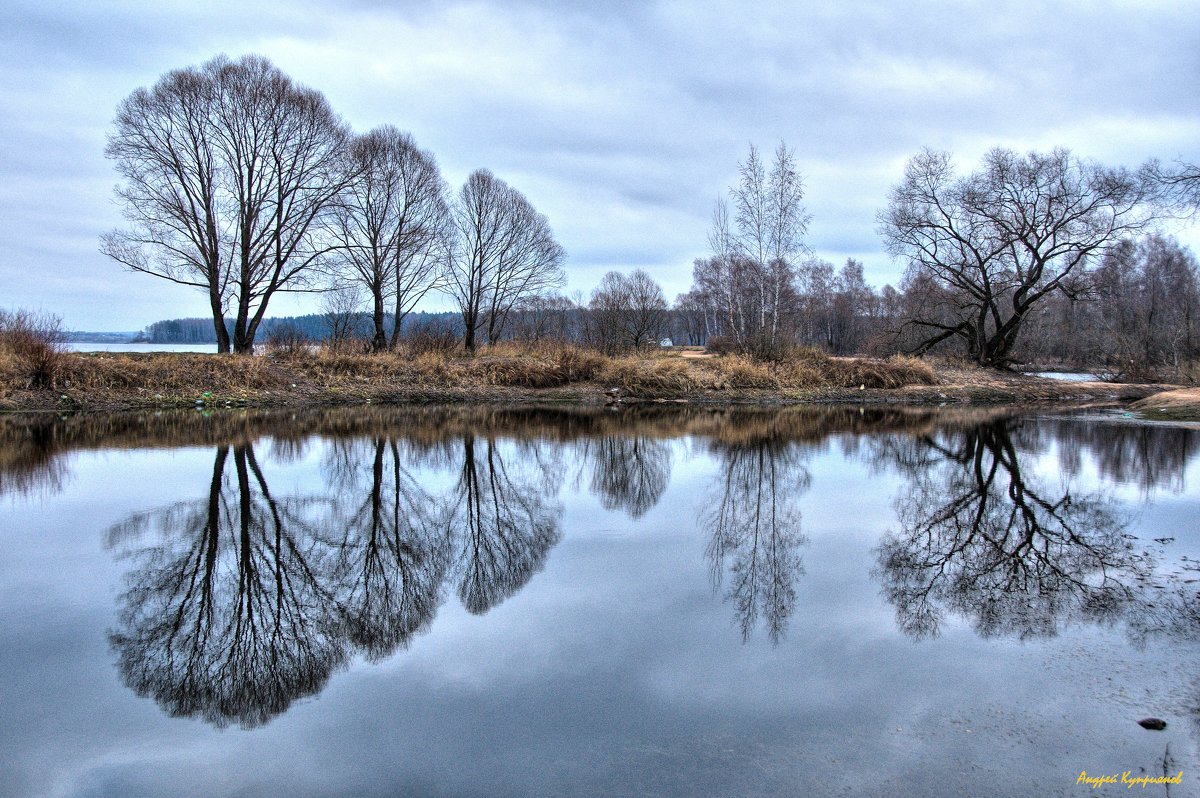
[(122, 381)]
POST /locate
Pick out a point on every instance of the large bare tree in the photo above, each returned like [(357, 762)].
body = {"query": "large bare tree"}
[(991, 245), (390, 225), (503, 252), (227, 168)]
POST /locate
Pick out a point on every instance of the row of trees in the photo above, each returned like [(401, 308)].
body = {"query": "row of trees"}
[(241, 183), (1042, 236)]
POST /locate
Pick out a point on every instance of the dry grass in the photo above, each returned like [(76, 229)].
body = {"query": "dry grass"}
[(739, 371), (306, 374), (544, 368), (811, 368), (655, 378), (1182, 404), (31, 349)]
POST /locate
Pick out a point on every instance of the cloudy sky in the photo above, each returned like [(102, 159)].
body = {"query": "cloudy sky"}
[(621, 121)]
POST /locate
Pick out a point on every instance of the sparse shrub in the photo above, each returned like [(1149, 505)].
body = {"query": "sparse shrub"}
[(287, 340), (423, 341), (721, 345), (32, 346)]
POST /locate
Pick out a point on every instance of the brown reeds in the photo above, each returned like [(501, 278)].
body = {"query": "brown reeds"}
[(296, 371), (31, 348)]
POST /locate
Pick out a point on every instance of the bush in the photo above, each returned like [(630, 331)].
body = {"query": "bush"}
[(32, 345), (721, 345), (425, 341), (287, 340)]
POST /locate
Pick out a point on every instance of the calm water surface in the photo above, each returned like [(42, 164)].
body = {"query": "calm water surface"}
[(639, 603), (91, 346)]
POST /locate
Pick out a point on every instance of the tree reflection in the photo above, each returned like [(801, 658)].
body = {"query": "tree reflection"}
[(982, 538), (629, 472), (753, 521), (506, 522), (228, 615), (242, 602), (392, 555)]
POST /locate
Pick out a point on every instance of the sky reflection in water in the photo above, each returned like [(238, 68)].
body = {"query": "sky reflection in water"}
[(544, 602)]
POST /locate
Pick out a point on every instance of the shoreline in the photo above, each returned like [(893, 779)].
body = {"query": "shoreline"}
[(103, 382)]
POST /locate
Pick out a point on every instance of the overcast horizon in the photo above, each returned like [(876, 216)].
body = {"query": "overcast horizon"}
[(621, 122)]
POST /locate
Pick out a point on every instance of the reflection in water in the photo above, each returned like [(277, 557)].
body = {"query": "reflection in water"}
[(238, 604), (243, 602), (393, 550), (753, 523), (230, 613), (29, 464), (982, 538), (629, 472), (507, 524), (1151, 456)]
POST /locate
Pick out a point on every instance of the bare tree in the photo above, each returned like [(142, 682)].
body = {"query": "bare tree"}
[(390, 225), (1149, 297), (227, 168), (503, 252), (752, 269), (342, 309), (167, 155), (997, 242), (1180, 183), (626, 312), (546, 315), (691, 319)]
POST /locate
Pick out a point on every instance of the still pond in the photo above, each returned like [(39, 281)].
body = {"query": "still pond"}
[(655, 601)]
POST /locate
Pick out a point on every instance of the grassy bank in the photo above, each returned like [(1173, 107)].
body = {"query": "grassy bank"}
[(67, 381), (1182, 404)]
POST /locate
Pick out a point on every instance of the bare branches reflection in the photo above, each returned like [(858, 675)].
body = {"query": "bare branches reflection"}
[(630, 472), (393, 552), (984, 538), (242, 602), (229, 613), (753, 523), (506, 523)]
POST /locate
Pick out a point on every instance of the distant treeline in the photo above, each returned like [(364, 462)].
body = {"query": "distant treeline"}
[(314, 327), (85, 337)]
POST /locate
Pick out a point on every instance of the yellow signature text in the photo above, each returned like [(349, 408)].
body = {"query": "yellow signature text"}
[(1127, 778)]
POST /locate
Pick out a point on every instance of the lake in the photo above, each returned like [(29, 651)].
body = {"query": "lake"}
[(92, 346), (652, 601)]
